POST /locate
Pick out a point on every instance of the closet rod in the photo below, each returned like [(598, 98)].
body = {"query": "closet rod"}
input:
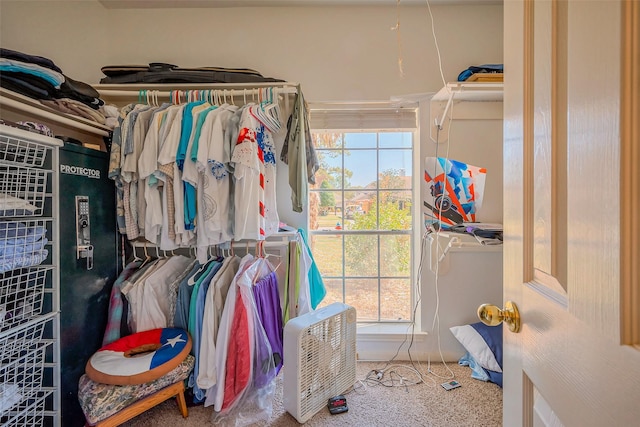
[(242, 244), (235, 91)]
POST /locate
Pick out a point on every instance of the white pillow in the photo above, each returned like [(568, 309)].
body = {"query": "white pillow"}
[(476, 345)]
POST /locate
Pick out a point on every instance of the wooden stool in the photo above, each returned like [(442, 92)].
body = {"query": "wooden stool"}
[(149, 402), (107, 405)]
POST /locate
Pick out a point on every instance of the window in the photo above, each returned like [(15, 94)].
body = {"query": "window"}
[(361, 212)]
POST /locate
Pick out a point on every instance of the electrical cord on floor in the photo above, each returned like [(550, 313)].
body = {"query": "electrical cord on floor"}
[(396, 376)]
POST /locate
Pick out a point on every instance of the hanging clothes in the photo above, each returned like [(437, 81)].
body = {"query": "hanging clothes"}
[(214, 304), (178, 169), (196, 316), (114, 319), (299, 153), (215, 394), (317, 290), (267, 300)]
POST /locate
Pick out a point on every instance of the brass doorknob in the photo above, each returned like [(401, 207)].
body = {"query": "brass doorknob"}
[(491, 315)]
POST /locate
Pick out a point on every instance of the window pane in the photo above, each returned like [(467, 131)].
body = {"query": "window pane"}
[(329, 175), (327, 253), (360, 140), (328, 140), (361, 254), (334, 292), (363, 295), (395, 299), (396, 139), (360, 169), (395, 255), (364, 185), (395, 169), (325, 210), (395, 210), (360, 210)]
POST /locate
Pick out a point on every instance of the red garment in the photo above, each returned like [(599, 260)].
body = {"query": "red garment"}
[(238, 365)]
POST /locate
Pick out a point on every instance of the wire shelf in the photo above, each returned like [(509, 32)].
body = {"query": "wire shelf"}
[(22, 395), (22, 191), (21, 295), (16, 343), (22, 152), (23, 243)]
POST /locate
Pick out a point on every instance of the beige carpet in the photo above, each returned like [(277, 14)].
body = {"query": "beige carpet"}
[(476, 404)]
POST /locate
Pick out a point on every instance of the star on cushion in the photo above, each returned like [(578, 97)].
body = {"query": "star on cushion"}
[(175, 340)]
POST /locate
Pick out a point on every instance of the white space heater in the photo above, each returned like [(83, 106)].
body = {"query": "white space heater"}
[(319, 359)]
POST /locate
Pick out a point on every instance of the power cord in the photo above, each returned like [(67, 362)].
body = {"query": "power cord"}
[(376, 376)]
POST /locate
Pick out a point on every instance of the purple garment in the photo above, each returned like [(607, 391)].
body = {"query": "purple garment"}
[(267, 299)]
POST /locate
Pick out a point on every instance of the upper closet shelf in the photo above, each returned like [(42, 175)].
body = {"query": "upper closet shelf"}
[(19, 107), (471, 91), (464, 101)]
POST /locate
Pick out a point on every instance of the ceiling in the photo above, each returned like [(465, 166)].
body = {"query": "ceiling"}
[(157, 4)]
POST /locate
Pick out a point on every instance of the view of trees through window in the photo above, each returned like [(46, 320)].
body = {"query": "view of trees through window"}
[(361, 221)]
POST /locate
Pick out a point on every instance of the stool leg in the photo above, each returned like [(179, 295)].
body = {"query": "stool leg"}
[(182, 404)]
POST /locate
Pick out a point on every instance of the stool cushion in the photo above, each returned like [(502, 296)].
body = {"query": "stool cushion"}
[(139, 358), (100, 401)]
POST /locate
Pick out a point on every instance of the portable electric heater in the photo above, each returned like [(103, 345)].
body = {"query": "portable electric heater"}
[(319, 359)]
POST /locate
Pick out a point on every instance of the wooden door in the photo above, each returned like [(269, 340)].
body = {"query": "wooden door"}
[(571, 197)]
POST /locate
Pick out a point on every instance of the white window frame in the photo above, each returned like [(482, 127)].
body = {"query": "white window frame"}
[(381, 117)]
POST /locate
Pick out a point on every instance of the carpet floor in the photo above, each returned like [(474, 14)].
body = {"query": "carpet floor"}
[(474, 404)]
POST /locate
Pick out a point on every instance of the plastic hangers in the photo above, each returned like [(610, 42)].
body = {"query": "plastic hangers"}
[(147, 256)]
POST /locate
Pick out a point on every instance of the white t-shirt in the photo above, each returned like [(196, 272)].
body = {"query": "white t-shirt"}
[(248, 194), (211, 163)]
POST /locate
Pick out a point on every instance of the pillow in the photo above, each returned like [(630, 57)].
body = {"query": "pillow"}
[(484, 343)]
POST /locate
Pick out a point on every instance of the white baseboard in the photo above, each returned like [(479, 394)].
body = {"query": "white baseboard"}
[(384, 342)]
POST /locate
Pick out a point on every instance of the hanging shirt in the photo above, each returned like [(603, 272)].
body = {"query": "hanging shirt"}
[(114, 319), (138, 127), (215, 394), (194, 209), (214, 193), (249, 191), (298, 152), (164, 174), (183, 300), (132, 290), (154, 311), (267, 300), (267, 156), (198, 393), (168, 157), (239, 364), (126, 175), (188, 166), (114, 167), (147, 166), (214, 304), (317, 290)]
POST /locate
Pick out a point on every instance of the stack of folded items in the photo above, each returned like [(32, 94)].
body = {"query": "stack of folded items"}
[(21, 245), (39, 78)]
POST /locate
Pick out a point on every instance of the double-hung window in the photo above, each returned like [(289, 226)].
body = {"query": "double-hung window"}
[(361, 217)]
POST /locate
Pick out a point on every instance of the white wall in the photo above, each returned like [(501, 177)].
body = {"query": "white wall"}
[(73, 34), (336, 53)]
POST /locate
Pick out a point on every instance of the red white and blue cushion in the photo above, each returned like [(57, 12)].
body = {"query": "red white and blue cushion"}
[(140, 357)]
